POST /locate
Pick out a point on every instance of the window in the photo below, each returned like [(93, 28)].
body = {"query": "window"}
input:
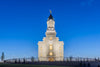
[(60, 54), (60, 47), (41, 54), (50, 54), (50, 47), (40, 48), (50, 38)]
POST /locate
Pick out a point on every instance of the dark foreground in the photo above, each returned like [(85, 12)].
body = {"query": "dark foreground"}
[(28, 65), (52, 64)]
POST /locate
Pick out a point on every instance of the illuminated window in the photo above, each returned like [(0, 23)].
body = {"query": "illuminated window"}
[(50, 54), (60, 48), (41, 48), (41, 55), (50, 47), (50, 38), (60, 54)]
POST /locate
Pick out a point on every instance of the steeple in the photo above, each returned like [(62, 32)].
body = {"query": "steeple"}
[(50, 49), (50, 17), (50, 26)]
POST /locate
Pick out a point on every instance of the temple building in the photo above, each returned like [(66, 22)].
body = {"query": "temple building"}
[(50, 49)]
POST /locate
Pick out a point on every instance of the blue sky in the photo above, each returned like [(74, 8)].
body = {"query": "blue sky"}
[(23, 24)]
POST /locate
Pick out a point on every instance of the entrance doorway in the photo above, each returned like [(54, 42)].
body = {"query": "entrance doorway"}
[(51, 59)]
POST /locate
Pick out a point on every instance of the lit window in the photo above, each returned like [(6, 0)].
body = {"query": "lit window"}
[(41, 55), (50, 47), (50, 38), (60, 48), (60, 54), (50, 54), (41, 48)]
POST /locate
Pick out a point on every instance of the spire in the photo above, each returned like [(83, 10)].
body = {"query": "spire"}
[(50, 17), (50, 12)]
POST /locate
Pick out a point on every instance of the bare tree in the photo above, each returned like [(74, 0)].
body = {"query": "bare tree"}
[(24, 60), (70, 58), (2, 57), (32, 59)]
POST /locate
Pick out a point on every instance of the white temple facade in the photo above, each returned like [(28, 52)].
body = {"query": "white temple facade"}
[(50, 49)]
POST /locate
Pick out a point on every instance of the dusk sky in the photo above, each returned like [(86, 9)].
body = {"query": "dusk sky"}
[(24, 22)]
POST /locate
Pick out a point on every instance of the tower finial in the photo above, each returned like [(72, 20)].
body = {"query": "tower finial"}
[(50, 12)]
